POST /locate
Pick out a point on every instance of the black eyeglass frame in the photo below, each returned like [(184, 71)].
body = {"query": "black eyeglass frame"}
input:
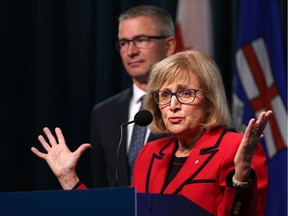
[(154, 93), (118, 46)]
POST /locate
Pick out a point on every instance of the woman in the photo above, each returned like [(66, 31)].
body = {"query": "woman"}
[(223, 172), (204, 162)]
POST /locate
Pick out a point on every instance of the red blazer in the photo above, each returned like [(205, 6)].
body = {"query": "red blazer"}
[(205, 178)]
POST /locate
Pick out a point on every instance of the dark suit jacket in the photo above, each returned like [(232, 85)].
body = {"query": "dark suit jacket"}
[(107, 118), (205, 178)]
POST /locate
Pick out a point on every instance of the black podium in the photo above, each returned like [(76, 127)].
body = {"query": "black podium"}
[(96, 202)]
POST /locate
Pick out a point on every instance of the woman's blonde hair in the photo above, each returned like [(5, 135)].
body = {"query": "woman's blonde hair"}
[(180, 66)]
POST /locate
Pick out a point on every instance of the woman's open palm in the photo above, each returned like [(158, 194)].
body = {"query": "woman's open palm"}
[(60, 159)]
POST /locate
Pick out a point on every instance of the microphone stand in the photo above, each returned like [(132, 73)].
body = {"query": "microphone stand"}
[(118, 152), (141, 118)]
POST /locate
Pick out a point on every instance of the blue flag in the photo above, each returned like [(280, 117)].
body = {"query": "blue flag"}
[(260, 84)]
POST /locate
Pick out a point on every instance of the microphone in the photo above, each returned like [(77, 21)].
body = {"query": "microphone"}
[(142, 118)]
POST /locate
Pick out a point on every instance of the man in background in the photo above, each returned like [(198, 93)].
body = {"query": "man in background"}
[(146, 35)]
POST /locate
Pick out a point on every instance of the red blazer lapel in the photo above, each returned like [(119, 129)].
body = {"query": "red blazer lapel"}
[(200, 155), (159, 166)]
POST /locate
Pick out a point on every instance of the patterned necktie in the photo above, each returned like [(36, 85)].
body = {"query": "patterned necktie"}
[(137, 142)]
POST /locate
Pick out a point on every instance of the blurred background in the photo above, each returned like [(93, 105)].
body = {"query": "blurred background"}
[(57, 59)]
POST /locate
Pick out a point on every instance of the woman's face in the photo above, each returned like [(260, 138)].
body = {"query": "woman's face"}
[(183, 120)]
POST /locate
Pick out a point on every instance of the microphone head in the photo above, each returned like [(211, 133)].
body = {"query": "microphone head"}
[(143, 117)]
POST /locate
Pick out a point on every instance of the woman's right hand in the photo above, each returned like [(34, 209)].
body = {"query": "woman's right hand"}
[(59, 158)]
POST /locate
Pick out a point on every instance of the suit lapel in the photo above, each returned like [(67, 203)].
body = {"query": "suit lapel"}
[(159, 166), (201, 154)]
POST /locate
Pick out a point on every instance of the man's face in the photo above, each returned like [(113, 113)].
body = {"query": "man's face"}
[(138, 61)]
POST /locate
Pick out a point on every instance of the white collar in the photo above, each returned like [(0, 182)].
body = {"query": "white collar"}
[(137, 94)]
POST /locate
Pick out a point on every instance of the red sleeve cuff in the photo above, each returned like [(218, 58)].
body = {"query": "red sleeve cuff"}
[(79, 186)]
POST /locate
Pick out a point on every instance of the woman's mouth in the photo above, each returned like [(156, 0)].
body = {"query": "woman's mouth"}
[(175, 119)]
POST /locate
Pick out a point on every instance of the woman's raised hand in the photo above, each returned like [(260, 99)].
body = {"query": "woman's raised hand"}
[(251, 138), (59, 158)]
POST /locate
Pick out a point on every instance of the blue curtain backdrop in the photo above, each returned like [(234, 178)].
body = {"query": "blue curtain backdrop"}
[(57, 59)]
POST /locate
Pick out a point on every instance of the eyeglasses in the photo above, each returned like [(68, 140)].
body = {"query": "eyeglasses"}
[(184, 96), (138, 41)]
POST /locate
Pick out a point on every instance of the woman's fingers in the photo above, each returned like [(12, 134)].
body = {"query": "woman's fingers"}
[(52, 141), (257, 127), (83, 148), (50, 136), (38, 153), (59, 134), (52, 145), (264, 120), (44, 143)]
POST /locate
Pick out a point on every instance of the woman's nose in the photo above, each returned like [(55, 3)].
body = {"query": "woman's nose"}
[(174, 103)]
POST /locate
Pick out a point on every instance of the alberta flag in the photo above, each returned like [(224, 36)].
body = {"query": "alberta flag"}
[(260, 83)]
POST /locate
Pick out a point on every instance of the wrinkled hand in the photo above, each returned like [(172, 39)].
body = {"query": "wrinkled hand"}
[(59, 158), (250, 140)]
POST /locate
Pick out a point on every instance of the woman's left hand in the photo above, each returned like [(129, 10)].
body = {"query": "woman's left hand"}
[(250, 140)]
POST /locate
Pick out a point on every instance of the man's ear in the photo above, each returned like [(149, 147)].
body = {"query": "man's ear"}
[(171, 45)]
